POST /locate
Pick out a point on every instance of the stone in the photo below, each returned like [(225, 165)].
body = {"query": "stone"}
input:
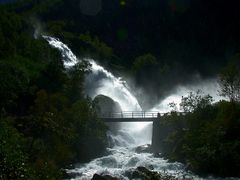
[(144, 149), (106, 105), (146, 174), (103, 177), (97, 177)]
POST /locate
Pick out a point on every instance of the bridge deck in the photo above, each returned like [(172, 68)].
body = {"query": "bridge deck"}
[(133, 116), (129, 119)]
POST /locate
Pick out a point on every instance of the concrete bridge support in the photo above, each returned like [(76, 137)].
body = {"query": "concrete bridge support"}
[(155, 135)]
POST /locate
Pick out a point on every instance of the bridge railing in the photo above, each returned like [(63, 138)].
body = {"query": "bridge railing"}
[(132, 114), (136, 114)]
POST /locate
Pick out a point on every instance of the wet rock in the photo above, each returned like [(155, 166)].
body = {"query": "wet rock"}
[(106, 105), (157, 155), (150, 167), (97, 177), (146, 174), (108, 177), (147, 148), (103, 177)]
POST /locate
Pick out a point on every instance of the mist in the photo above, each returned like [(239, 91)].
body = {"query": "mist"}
[(207, 87)]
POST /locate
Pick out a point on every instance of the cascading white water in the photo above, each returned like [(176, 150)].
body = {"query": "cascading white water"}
[(69, 58), (111, 86), (122, 157), (101, 81)]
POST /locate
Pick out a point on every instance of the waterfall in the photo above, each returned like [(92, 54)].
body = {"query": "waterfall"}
[(69, 58), (122, 157), (111, 86), (101, 81)]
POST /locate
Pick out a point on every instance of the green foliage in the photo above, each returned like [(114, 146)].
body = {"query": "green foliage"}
[(89, 131), (74, 86), (56, 27), (230, 82), (45, 122), (10, 25), (207, 146), (13, 81), (195, 101), (13, 157), (101, 49), (144, 61), (206, 138)]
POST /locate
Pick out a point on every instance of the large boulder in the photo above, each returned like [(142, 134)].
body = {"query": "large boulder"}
[(103, 177), (105, 105), (146, 174)]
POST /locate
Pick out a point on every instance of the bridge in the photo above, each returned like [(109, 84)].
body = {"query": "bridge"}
[(134, 116), (140, 116)]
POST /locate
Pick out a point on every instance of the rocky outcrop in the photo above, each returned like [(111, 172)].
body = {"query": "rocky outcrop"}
[(105, 104)]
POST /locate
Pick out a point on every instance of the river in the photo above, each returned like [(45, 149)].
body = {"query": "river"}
[(121, 156)]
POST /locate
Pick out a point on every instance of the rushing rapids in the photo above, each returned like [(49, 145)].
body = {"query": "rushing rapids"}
[(122, 159)]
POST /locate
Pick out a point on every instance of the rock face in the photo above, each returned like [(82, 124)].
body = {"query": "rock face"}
[(106, 105)]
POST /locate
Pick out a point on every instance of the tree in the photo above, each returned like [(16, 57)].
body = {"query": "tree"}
[(195, 101), (99, 47), (173, 106), (146, 60), (229, 81), (13, 158)]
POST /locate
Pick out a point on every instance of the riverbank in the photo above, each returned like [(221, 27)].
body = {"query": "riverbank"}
[(206, 140)]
